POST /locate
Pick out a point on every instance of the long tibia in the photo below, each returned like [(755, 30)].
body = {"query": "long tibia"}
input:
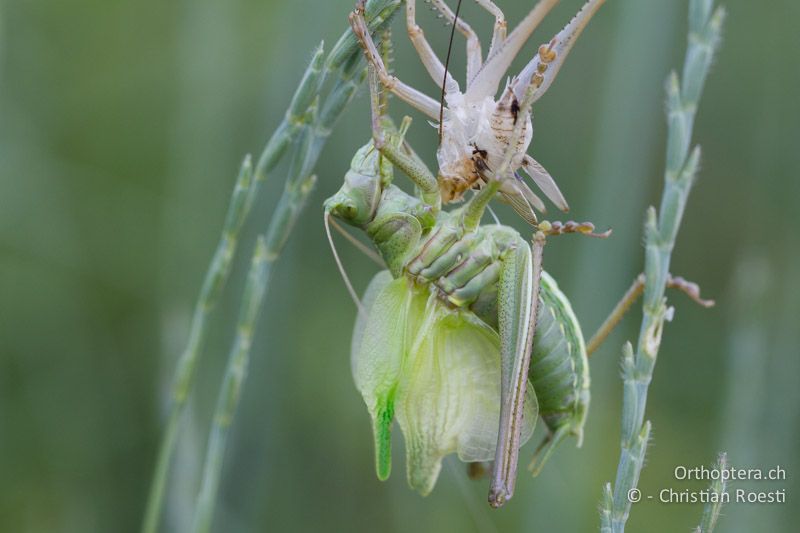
[(494, 69), (474, 209), (474, 56), (518, 301), (544, 67), (390, 145), (432, 63), (413, 97), (500, 25), (692, 290)]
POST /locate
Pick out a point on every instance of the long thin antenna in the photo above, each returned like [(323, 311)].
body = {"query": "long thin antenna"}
[(494, 215), (446, 66), (346, 279), (358, 244)]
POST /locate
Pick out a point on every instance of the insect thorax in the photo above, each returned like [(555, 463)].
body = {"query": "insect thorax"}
[(463, 269), (475, 136)]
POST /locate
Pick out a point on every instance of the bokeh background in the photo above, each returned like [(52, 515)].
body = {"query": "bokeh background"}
[(122, 125)]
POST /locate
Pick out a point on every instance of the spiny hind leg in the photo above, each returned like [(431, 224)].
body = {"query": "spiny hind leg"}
[(474, 55), (692, 290), (405, 92), (517, 305), (432, 64), (390, 143)]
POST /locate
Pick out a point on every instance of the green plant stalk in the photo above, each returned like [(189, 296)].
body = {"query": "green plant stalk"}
[(295, 118), (214, 282), (267, 251), (231, 388), (660, 234), (344, 60), (712, 509), (245, 192)]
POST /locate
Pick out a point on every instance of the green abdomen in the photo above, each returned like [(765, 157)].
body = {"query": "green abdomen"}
[(559, 368)]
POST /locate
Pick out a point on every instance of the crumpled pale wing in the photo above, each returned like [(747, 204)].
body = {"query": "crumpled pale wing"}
[(544, 181), (380, 343), (448, 399), (521, 198), (376, 285)]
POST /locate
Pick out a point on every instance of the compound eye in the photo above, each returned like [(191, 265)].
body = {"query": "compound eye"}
[(346, 210)]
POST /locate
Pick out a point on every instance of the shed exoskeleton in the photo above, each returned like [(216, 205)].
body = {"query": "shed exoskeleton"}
[(483, 139)]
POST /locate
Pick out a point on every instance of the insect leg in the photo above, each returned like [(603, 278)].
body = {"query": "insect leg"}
[(405, 92), (474, 56), (387, 140), (555, 227), (432, 63), (494, 69), (500, 25), (692, 290), (546, 448), (537, 75), (518, 305), (474, 209)]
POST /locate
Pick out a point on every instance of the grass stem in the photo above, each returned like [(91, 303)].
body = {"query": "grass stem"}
[(306, 127), (661, 229), (712, 509), (215, 280)]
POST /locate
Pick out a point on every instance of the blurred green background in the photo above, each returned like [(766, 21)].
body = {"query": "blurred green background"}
[(122, 125)]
